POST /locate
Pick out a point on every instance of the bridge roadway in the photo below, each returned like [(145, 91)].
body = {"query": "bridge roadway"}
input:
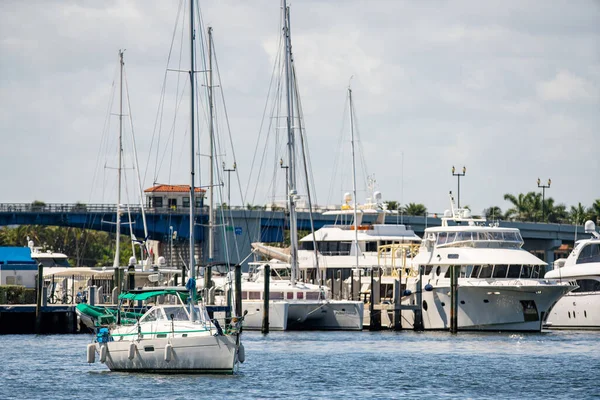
[(248, 225)]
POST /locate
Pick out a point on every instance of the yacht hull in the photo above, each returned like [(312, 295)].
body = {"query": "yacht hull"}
[(576, 311), (489, 307), (201, 354), (278, 315), (326, 315)]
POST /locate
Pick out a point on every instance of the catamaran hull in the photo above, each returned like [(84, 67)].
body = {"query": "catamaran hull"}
[(576, 311), (204, 354), (278, 315), (489, 308), (326, 315)]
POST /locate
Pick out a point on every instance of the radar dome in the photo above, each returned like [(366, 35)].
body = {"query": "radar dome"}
[(447, 214), (467, 213), (347, 197), (589, 226), (161, 261), (132, 261)]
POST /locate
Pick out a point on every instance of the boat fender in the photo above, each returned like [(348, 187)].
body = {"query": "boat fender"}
[(132, 350), (407, 292), (428, 287), (91, 353), (168, 352), (241, 353), (103, 353)]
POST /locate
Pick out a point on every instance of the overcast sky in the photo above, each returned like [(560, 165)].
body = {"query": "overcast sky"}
[(510, 89)]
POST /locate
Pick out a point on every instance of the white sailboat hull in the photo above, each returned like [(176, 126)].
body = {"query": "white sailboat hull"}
[(199, 354), (488, 307), (576, 311)]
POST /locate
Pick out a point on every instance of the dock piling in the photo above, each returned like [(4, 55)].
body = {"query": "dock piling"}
[(265, 320), (39, 296)]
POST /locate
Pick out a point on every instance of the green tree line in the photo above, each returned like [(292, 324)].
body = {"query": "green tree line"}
[(529, 207), (84, 247)]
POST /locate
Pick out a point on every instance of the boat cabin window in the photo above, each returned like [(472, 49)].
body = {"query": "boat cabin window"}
[(306, 246), (254, 295), (299, 295), (290, 295), (587, 285), (514, 271), (590, 253), (371, 246), (275, 295), (428, 269), (475, 272), (152, 315), (526, 271), (536, 272), (486, 271), (465, 271), (312, 295), (500, 271), (442, 238), (179, 313)]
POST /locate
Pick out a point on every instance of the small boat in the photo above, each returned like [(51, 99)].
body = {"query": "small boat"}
[(579, 309), (169, 338)]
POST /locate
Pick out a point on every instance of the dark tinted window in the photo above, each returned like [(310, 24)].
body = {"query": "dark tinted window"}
[(526, 271), (514, 271), (587, 285), (500, 271), (475, 272), (371, 246), (486, 271), (590, 253)]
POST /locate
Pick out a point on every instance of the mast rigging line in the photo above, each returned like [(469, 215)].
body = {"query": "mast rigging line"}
[(160, 110)]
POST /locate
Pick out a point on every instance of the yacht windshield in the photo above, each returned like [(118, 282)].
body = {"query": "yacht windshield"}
[(491, 238)]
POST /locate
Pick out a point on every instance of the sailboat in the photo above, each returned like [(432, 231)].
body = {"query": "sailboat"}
[(179, 337), (309, 306)]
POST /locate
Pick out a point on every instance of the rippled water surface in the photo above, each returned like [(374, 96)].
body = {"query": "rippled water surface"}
[(331, 365)]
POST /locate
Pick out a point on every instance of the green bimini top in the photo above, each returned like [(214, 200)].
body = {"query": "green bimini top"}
[(148, 295)]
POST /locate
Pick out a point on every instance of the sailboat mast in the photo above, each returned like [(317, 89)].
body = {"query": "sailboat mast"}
[(192, 267), (211, 216), (291, 148), (116, 261), (355, 249)]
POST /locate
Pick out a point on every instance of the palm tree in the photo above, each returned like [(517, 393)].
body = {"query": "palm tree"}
[(555, 214), (520, 209), (593, 212), (577, 214), (392, 205), (493, 213), (415, 209)]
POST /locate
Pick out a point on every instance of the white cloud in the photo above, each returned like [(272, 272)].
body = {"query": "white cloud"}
[(566, 86)]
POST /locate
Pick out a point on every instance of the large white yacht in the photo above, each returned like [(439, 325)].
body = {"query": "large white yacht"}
[(579, 309), (499, 285)]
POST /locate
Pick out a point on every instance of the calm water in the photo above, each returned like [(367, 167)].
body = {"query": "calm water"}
[(327, 365)]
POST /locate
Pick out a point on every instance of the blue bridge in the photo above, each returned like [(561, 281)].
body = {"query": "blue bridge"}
[(245, 225)]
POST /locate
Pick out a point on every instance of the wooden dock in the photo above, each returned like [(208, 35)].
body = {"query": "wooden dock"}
[(21, 319)]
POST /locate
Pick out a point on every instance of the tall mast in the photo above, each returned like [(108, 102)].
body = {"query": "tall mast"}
[(211, 216), (355, 248), (116, 261), (192, 267), (291, 147)]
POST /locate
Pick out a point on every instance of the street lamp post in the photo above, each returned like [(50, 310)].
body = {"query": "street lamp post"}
[(544, 187), (458, 175), (229, 171)]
